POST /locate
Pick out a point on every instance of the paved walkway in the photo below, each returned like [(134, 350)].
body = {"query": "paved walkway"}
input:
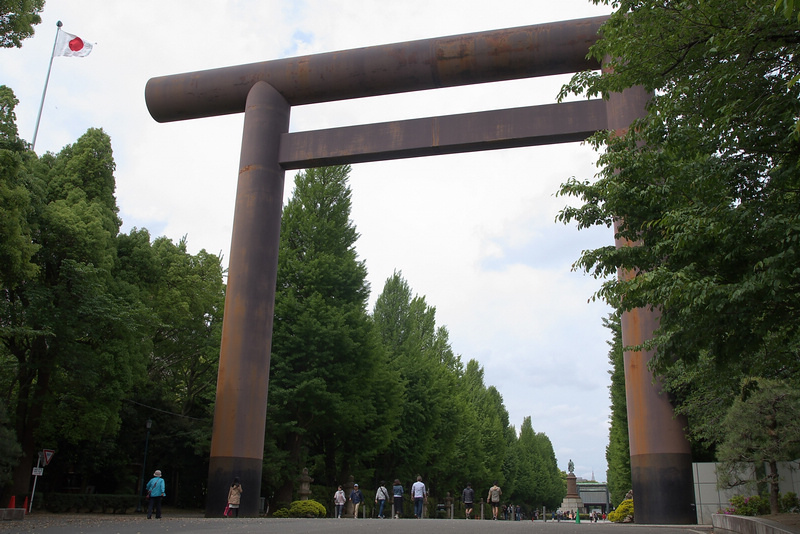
[(136, 524)]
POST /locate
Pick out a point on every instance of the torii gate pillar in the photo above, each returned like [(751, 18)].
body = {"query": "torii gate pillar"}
[(663, 491), (660, 458), (237, 441)]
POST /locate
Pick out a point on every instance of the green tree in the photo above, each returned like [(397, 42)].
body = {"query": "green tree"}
[(761, 428), (482, 445), (184, 297), (16, 249), (16, 243), (331, 400), (10, 450), (17, 19), (420, 353), (618, 453), (707, 183), (188, 301), (704, 391), (552, 490), (788, 8), (538, 480), (68, 331)]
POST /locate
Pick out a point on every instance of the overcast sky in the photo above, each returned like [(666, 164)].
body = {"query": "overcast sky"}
[(473, 233)]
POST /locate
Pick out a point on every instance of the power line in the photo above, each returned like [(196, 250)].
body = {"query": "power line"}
[(164, 411)]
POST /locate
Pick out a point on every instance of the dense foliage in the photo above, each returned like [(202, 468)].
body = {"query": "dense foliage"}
[(98, 330), (329, 405), (618, 452), (707, 182), (17, 19), (706, 186)]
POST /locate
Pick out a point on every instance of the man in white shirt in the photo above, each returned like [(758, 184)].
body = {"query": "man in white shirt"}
[(420, 495)]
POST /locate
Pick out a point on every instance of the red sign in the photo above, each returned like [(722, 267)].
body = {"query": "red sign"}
[(48, 454)]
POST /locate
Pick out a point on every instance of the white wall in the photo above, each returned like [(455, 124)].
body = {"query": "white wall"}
[(710, 500)]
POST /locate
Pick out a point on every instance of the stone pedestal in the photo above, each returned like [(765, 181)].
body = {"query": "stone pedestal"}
[(572, 502)]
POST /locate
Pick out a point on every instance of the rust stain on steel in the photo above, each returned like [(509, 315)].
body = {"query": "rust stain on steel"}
[(527, 51), (645, 399), (243, 377), (469, 132)]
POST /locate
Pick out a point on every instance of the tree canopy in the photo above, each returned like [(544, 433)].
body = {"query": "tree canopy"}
[(17, 19), (329, 406), (705, 186), (93, 321), (707, 182)]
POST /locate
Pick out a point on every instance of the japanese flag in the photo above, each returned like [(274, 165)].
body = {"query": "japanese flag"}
[(71, 45)]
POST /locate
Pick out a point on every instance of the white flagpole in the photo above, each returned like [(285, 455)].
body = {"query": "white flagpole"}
[(46, 81)]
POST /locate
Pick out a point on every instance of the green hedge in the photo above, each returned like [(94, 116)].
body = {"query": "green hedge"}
[(308, 508), (88, 502)]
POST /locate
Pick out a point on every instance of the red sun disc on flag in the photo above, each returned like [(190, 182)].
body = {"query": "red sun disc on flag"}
[(76, 44)]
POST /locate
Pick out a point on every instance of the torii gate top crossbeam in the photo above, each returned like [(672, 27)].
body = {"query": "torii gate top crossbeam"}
[(523, 52)]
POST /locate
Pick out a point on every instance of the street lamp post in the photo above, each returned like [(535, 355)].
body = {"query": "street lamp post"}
[(149, 423)]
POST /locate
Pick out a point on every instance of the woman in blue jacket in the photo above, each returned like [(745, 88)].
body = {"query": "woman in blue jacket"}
[(156, 490)]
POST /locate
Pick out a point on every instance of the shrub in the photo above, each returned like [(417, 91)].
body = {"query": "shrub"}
[(789, 503), (308, 508), (755, 505), (281, 512), (623, 512)]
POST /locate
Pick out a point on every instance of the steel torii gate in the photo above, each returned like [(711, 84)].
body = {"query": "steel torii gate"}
[(265, 92)]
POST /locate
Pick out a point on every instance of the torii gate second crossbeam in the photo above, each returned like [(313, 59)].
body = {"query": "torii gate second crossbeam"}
[(265, 92)]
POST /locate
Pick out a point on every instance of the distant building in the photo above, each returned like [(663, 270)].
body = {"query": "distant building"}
[(595, 496)]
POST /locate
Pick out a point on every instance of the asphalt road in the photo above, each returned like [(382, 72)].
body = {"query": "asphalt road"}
[(135, 524)]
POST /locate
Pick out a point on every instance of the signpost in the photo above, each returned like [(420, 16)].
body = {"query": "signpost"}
[(46, 455)]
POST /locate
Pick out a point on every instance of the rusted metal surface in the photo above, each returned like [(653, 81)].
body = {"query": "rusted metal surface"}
[(237, 440), (646, 403), (470, 132), (661, 460), (524, 52)]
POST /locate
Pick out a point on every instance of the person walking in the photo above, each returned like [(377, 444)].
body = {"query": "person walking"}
[(357, 497), (468, 498), (156, 490), (494, 498), (420, 495), (397, 492), (234, 498), (381, 496), (338, 501)]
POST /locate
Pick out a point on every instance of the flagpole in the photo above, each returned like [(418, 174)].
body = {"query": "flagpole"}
[(46, 81)]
